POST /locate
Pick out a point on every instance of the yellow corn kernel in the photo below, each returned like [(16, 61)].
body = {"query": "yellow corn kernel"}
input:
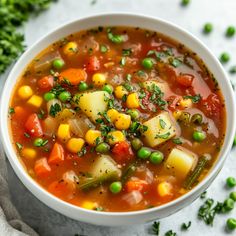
[(29, 153), (25, 92), (112, 114), (75, 145), (35, 101), (177, 114), (89, 205), (115, 137), (186, 103), (63, 132), (123, 121), (70, 48), (65, 114), (164, 189), (91, 136), (120, 91), (132, 100), (99, 79)]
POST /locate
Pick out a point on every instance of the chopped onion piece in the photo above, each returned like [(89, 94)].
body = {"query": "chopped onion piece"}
[(133, 197), (50, 126)]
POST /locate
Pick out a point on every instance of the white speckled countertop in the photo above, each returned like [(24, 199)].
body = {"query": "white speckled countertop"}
[(46, 221)]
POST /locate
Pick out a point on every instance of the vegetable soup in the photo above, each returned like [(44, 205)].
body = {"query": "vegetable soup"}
[(117, 119)]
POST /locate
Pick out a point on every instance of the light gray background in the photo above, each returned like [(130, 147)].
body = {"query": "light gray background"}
[(221, 13)]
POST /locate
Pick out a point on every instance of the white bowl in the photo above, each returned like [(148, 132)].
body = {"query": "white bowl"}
[(118, 19)]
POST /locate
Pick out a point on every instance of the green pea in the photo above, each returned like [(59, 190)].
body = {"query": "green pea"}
[(231, 182), (102, 148), (136, 144), (156, 157), (230, 31), (231, 223), (147, 63), (134, 113), (143, 153), (185, 2), (233, 196), (228, 205), (49, 96), (208, 27), (199, 136), (224, 57), (38, 142), (196, 119), (58, 63), (64, 96), (108, 88), (115, 187), (83, 86)]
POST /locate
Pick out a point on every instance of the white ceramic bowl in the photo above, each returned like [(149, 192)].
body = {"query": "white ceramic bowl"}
[(116, 218)]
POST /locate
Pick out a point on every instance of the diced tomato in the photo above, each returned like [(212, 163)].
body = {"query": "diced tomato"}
[(46, 83), (185, 80), (33, 126), (41, 167), (211, 105), (146, 103), (169, 72), (93, 64), (173, 102), (57, 154), (136, 185), (73, 76), (122, 152)]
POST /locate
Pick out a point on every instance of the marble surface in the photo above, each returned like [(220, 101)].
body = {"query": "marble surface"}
[(46, 221)]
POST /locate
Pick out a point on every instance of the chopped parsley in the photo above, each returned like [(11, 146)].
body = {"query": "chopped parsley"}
[(175, 62), (41, 114), (186, 226), (82, 152), (177, 141), (114, 38), (163, 136), (57, 89), (11, 110), (170, 233), (123, 61), (156, 96), (126, 52), (54, 109), (103, 48), (26, 135), (156, 228), (203, 195), (128, 86), (19, 146), (162, 123), (195, 99)]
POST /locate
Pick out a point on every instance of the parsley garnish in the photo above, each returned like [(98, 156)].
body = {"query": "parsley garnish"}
[(195, 99), (126, 52), (103, 48), (57, 89), (170, 233), (115, 38), (162, 123), (123, 61), (156, 228), (177, 141), (54, 109), (26, 135), (185, 226), (19, 146), (82, 152), (174, 62), (163, 136), (203, 195), (11, 110)]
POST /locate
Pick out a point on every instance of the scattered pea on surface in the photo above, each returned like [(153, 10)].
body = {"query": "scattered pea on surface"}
[(231, 223), (231, 182), (230, 31), (185, 2), (208, 27), (232, 195), (228, 205), (224, 57)]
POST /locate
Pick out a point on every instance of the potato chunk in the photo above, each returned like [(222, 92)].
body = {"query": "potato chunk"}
[(180, 161), (92, 103), (159, 129)]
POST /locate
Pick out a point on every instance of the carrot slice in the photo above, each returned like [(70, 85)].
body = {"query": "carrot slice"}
[(41, 167), (57, 154), (74, 76)]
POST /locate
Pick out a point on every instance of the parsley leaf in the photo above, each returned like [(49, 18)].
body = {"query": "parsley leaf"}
[(126, 52), (170, 233), (195, 99), (19, 146), (115, 38), (177, 141), (156, 228), (163, 136), (185, 226), (162, 123), (54, 109), (11, 110), (123, 61), (103, 48)]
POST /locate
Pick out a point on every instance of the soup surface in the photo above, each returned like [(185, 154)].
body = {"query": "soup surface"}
[(117, 119)]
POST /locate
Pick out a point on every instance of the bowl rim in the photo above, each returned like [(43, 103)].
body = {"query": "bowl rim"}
[(27, 180)]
